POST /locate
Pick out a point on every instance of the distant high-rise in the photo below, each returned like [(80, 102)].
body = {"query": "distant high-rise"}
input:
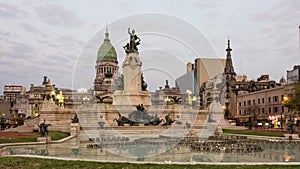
[(294, 74), (198, 73)]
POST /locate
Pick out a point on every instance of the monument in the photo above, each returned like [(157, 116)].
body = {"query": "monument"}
[(134, 92)]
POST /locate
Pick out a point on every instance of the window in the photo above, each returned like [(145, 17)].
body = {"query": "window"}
[(258, 101), (240, 104), (269, 99), (269, 110), (249, 102), (275, 98), (263, 110), (244, 103), (263, 100), (275, 109)]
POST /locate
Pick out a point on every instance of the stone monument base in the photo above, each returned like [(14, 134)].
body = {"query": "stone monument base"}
[(121, 98), (44, 139), (219, 131), (291, 136), (75, 129)]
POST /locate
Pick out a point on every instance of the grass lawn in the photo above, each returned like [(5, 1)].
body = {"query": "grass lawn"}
[(30, 163), (255, 132), (55, 135)]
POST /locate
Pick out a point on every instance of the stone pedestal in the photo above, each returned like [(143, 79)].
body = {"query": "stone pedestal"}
[(132, 73), (75, 129), (57, 116), (132, 95), (121, 98), (44, 139), (219, 130), (291, 136)]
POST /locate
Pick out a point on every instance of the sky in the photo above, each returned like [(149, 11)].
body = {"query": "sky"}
[(60, 39)]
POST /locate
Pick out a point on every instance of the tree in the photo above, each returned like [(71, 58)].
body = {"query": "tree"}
[(294, 101)]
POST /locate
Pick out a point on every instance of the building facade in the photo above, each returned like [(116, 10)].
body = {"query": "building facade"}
[(294, 74), (265, 106), (166, 95), (16, 97), (11, 92), (64, 98)]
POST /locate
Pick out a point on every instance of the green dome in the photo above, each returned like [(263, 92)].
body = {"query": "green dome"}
[(106, 50)]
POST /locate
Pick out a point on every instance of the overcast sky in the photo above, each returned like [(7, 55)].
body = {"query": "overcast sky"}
[(40, 38)]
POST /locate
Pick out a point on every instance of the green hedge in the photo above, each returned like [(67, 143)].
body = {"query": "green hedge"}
[(257, 133)]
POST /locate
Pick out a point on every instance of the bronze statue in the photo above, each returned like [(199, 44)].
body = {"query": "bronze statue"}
[(140, 116), (131, 47), (168, 119), (75, 119), (140, 107), (44, 128)]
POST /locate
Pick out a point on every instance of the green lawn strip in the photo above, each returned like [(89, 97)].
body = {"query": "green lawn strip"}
[(30, 163), (55, 135), (257, 133)]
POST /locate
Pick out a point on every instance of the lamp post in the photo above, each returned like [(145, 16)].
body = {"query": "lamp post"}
[(167, 101), (281, 120), (284, 101), (189, 99)]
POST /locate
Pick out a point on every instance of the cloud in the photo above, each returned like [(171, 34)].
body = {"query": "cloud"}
[(29, 28), (6, 36), (57, 15), (208, 5), (19, 51), (9, 11), (282, 11), (68, 42)]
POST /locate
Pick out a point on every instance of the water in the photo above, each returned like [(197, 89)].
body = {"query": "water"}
[(160, 150)]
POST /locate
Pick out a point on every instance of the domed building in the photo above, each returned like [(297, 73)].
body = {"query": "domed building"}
[(106, 70)]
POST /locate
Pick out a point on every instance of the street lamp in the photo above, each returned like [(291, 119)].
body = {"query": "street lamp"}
[(281, 120), (284, 101), (167, 100)]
